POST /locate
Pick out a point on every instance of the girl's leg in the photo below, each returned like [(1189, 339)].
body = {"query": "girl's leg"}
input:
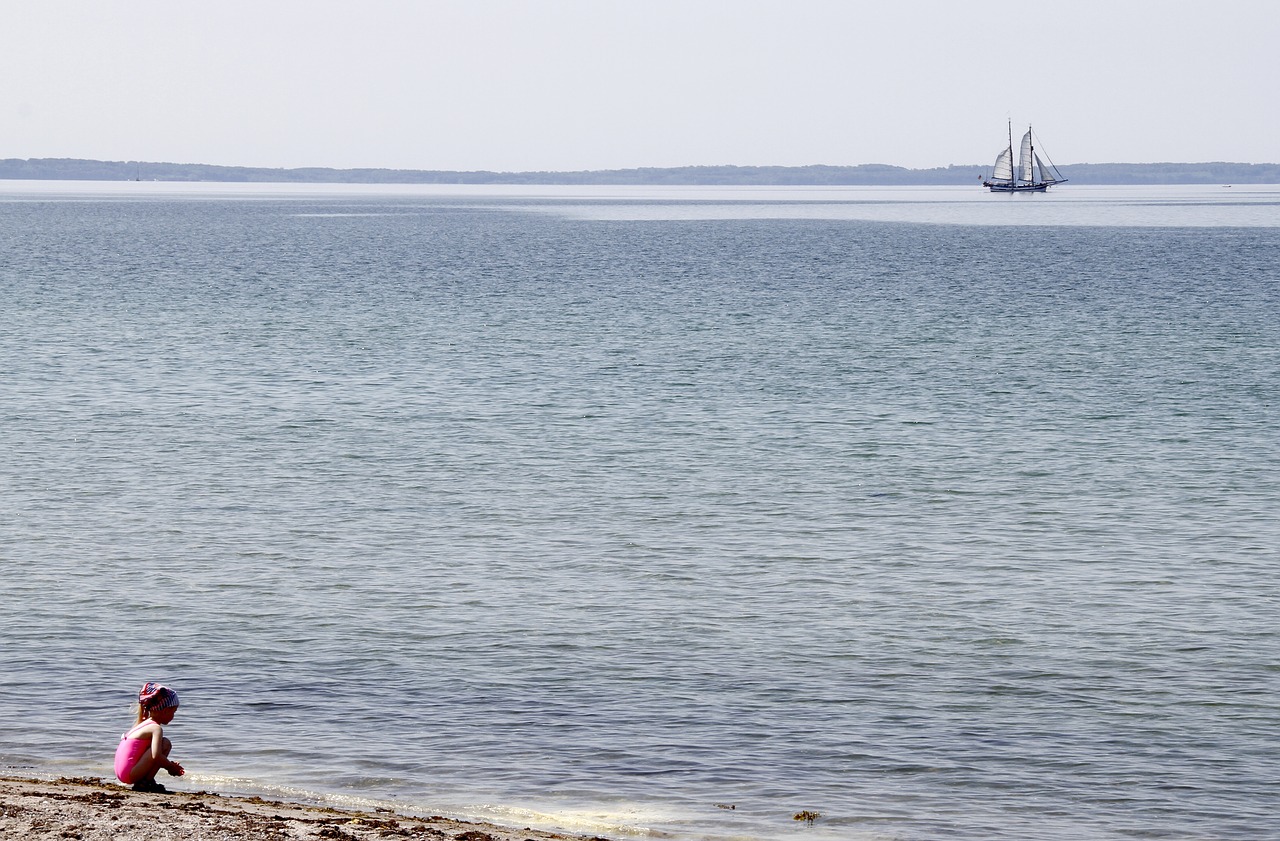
[(144, 770)]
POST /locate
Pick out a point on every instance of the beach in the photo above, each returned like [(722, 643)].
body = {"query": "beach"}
[(89, 809)]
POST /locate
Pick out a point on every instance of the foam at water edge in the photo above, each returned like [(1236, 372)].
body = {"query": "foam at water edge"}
[(632, 820)]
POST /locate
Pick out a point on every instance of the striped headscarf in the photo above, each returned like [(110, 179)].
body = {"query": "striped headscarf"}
[(154, 697)]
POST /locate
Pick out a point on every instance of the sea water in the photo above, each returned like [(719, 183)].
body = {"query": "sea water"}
[(655, 512)]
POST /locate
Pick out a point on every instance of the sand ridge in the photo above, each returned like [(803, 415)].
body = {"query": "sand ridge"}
[(89, 809)]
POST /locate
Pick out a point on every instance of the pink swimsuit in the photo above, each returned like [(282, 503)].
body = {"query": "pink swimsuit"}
[(129, 752)]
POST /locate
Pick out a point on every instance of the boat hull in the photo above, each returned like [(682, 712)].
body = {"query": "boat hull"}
[(1015, 188)]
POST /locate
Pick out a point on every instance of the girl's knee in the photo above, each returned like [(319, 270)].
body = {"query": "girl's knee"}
[(165, 746)]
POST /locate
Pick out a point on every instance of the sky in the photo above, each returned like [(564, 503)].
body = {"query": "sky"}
[(507, 85)]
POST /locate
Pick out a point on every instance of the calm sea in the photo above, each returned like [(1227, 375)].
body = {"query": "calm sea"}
[(937, 513)]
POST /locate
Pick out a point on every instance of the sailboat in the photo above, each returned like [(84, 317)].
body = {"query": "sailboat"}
[(1005, 180)]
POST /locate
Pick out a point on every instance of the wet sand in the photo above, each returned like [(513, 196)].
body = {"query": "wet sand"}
[(90, 809)]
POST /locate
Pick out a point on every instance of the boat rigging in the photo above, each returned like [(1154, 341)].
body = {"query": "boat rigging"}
[(1004, 179)]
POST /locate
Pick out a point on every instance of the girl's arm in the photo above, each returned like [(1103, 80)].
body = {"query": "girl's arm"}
[(157, 750), (157, 742)]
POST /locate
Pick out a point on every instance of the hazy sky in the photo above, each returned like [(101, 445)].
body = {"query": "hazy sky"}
[(603, 84)]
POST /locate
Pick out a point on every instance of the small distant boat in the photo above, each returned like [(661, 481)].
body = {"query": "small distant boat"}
[(1030, 161)]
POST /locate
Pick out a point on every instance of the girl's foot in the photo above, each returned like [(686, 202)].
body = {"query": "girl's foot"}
[(150, 787)]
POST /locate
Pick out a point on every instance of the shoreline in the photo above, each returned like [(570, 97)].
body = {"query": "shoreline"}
[(707, 175), (92, 809)]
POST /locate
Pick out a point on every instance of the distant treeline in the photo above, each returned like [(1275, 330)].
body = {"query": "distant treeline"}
[(72, 169)]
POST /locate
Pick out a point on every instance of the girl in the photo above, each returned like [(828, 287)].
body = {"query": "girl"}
[(144, 750)]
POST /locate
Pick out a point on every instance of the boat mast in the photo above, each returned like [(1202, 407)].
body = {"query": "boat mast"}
[(1013, 176)]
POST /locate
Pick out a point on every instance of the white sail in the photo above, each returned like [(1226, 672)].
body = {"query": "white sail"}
[(1002, 172), (1024, 159), (1046, 176), (1035, 173)]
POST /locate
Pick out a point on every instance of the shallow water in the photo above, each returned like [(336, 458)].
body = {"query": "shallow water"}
[(939, 513)]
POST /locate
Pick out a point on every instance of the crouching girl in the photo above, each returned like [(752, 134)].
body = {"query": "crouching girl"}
[(144, 750)]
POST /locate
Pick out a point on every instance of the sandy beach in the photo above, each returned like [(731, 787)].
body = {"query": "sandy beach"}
[(90, 809)]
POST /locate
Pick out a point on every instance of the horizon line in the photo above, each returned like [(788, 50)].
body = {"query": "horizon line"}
[(312, 167)]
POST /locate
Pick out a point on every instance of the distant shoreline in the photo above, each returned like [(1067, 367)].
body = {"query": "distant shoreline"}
[(78, 169)]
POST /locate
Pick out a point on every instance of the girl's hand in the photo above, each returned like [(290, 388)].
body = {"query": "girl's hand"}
[(175, 770)]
